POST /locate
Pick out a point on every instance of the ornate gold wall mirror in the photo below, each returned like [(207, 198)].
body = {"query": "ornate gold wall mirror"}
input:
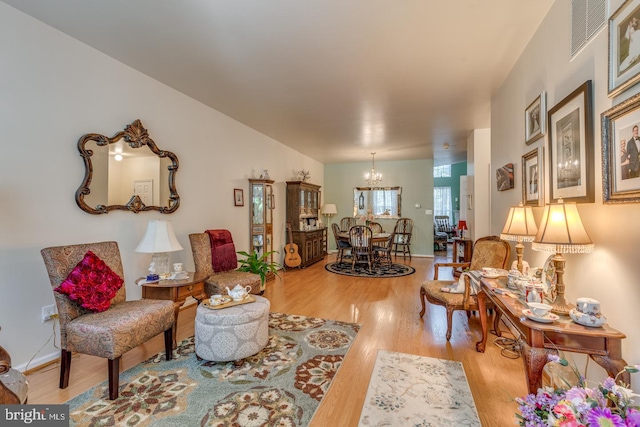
[(382, 202), (126, 172)]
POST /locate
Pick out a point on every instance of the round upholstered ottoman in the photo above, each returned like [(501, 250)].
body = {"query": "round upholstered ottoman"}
[(232, 333)]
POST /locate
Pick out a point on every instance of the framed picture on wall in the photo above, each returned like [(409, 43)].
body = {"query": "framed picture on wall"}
[(504, 177), (624, 47), (238, 197), (620, 152), (571, 147), (535, 119), (532, 177)]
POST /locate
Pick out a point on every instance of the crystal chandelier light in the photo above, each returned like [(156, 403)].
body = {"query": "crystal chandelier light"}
[(373, 177)]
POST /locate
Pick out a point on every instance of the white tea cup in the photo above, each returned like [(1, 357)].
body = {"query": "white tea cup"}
[(177, 267), (588, 306), (539, 309)]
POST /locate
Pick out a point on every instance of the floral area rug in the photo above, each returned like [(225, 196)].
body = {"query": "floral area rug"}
[(410, 390), (280, 386), (362, 269)]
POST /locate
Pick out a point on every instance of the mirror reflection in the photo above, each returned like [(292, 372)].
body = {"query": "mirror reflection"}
[(127, 172), (382, 202)]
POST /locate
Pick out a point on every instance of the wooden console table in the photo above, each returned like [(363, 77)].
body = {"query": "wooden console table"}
[(538, 340), (177, 291)]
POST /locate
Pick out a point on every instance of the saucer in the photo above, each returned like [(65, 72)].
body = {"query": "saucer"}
[(219, 300), (584, 320), (548, 318), (179, 275), (490, 276)]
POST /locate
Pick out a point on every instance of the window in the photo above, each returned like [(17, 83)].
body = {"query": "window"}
[(443, 171), (442, 201)]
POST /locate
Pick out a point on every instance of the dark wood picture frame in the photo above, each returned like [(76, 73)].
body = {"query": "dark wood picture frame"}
[(238, 197), (620, 182), (624, 47), (533, 177), (570, 121), (535, 119)]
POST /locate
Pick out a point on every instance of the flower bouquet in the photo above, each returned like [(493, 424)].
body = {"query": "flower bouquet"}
[(367, 218), (608, 404)]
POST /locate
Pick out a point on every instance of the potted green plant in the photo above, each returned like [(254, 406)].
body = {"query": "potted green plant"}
[(260, 265)]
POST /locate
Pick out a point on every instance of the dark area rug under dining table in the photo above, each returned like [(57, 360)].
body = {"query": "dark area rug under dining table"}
[(377, 270)]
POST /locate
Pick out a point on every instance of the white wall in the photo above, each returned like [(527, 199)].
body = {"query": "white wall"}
[(478, 164), (54, 90), (611, 273), (414, 176)]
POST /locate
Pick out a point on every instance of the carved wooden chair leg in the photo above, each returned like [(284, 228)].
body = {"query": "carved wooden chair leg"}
[(65, 368), (423, 297), (114, 377), (449, 322)]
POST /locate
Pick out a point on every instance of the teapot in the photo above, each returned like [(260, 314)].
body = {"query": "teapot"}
[(238, 293)]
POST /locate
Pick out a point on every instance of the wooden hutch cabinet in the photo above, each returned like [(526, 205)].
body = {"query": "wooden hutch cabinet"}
[(303, 213)]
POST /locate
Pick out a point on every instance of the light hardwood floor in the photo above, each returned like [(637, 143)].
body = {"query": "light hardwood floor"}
[(387, 310)]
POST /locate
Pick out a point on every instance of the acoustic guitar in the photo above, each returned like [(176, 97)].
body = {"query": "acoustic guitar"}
[(291, 256)]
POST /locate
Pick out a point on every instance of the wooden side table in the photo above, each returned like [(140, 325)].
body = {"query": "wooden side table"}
[(602, 344), (177, 291)]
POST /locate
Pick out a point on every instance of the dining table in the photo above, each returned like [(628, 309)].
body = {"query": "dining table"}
[(376, 238)]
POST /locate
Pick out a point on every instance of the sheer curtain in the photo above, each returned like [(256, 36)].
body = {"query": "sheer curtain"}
[(442, 202)]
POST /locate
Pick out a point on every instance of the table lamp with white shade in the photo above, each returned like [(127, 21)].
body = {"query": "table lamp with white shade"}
[(519, 227), (329, 210), (159, 240), (561, 231)]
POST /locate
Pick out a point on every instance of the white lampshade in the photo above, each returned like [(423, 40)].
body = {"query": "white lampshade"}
[(329, 209), (561, 230), (158, 238), (520, 225)]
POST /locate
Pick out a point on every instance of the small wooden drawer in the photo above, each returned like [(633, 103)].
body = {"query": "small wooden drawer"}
[(190, 290)]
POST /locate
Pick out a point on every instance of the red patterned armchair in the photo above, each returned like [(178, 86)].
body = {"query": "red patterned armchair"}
[(110, 333), (215, 254)]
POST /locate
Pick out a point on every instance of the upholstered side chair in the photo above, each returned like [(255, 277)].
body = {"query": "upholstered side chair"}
[(214, 254), (111, 333), (487, 252)]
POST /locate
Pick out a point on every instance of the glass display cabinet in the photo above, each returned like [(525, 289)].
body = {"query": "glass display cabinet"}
[(261, 216)]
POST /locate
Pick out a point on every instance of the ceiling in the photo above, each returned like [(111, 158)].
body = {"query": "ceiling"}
[(333, 79)]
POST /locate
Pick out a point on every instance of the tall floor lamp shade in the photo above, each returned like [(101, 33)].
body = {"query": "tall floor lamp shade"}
[(329, 210), (519, 227), (159, 239), (561, 231)]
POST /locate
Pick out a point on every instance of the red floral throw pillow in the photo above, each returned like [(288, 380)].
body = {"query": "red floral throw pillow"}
[(92, 284)]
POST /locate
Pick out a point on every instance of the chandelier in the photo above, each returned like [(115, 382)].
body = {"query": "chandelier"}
[(373, 177)]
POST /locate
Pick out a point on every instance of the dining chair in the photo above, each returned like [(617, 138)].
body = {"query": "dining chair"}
[(361, 241), (110, 333), (488, 251), (347, 222), (341, 244), (376, 227), (403, 231), (383, 251)]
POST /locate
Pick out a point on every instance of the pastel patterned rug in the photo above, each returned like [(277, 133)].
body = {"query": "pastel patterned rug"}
[(418, 391), (280, 386)]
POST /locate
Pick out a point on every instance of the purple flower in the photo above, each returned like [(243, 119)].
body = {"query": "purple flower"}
[(609, 383), (633, 418), (602, 417)]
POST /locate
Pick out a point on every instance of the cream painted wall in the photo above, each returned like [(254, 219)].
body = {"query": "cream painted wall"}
[(478, 164), (611, 273), (55, 89), (414, 176)]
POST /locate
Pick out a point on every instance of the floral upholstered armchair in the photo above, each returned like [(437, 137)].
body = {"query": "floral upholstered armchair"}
[(93, 324), (487, 252), (215, 254)]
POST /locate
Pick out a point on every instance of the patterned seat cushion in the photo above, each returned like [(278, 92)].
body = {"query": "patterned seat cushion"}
[(218, 282), (432, 288), (124, 326)]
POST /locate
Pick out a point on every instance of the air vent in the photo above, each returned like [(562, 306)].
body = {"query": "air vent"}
[(587, 18)]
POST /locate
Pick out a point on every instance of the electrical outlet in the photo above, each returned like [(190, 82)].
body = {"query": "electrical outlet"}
[(48, 313)]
